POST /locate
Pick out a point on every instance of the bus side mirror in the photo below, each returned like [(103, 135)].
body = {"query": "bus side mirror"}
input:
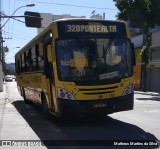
[(50, 53), (133, 54)]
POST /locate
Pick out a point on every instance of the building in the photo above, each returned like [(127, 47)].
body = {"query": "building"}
[(47, 18), (138, 41), (153, 69)]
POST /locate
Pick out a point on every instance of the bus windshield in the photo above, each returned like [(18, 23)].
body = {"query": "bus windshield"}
[(93, 59)]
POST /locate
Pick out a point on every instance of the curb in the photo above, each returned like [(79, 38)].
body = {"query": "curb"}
[(147, 93)]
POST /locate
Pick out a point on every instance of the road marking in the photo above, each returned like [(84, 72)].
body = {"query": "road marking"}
[(136, 100), (152, 111)]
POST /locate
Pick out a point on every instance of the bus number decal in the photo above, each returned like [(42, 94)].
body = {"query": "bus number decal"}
[(78, 72)]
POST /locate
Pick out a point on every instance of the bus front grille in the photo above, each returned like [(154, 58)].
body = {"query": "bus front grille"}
[(102, 90)]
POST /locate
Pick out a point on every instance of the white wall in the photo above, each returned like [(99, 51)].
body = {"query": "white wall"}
[(1, 78), (48, 18), (155, 38), (138, 41)]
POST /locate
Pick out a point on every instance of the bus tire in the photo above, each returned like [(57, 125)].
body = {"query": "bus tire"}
[(45, 106), (21, 91), (24, 97)]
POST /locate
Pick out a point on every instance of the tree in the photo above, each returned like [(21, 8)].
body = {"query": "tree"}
[(150, 10)]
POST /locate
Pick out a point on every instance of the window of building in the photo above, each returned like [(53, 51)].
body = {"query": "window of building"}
[(155, 55)]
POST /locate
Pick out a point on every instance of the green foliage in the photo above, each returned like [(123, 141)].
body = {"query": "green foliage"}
[(127, 7), (145, 55), (151, 12), (145, 50)]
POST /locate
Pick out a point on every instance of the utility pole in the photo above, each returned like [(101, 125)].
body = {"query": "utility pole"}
[(1, 39), (1, 51)]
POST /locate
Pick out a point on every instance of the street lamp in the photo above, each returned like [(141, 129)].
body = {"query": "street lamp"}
[(29, 5), (1, 39)]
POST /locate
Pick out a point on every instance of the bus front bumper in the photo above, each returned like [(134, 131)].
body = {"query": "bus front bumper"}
[(100, 107)]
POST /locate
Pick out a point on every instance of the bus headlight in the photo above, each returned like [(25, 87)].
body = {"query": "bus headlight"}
[(129, 89), (64, 94)]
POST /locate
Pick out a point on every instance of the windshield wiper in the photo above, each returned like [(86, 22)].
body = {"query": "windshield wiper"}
[(106, 49)]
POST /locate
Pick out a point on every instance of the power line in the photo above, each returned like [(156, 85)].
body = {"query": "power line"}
[(20, 31), (7, 38), (62, 4), (12, 18), (10, 34), (19, 37)]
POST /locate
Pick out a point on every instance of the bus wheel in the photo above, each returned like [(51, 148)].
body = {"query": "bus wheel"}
[(45, 107), (21, 91), (24, 97)]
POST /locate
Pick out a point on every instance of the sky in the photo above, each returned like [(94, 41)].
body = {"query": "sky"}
[(16, 34)]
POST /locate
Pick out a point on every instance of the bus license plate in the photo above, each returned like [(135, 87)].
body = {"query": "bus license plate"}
[(110, 95)]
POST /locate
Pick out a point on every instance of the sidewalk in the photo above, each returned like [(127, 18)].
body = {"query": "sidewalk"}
[(3, 95), (147, 93)]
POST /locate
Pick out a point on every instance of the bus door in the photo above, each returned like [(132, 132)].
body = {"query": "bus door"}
[(50, 77)]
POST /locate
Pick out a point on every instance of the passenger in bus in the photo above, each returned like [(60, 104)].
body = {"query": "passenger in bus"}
[(120, 60), (42, 63), (30, 65)]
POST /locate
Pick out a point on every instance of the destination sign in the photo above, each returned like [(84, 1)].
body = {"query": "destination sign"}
[(92, 28), (86, 27)]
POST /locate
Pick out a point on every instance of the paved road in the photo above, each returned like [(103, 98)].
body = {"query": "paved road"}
[(146, 114), (25, 122)]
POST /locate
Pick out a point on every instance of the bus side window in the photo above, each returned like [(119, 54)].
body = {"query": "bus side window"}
[(18, 66), (33, 58), (28, 61), (41, 62), (40, 57), (37, 55), (22, 63)]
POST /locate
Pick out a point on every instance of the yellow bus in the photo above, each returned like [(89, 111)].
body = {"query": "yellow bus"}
[(78, 67)]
